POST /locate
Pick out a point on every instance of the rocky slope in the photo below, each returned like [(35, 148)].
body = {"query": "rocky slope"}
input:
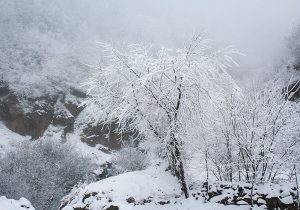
[(32, 116)]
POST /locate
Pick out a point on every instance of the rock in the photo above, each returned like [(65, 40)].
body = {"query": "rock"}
[(86, 196), (241, 192), (293, 91), (248, 200), (105, 171), (146, 200), (63, 117), (33, 122), (77, 93), (212, 194), (225, 201), (284, 199), (73, 108), (99, 134), (112, 207), (296, 66), (273, 203), (4, 89), (163, 202), (130, 200), (32, 116)]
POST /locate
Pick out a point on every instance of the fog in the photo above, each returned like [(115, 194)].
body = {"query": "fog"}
[(256, 27)]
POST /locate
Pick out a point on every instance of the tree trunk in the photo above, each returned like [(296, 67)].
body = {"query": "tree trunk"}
[(229, 169), (207, 173), (176, 163), (173, 146)]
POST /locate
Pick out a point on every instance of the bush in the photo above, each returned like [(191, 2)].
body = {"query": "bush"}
[(129, 159), (43, 172)]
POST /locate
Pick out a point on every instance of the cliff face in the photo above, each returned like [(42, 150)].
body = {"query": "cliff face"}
[(31, 116), (292, 90)]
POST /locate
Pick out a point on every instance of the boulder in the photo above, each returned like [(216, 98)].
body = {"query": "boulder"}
[(130, 200), (277, 196), (112, 207), (94, 134)]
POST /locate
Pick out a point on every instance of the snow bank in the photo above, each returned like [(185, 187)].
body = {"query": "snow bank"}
[(8, 138), (94, 153), (11, 204), (137, 187), (153, 188)]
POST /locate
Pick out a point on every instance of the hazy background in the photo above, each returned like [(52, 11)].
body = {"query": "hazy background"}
[(256, 27), (58, 29)]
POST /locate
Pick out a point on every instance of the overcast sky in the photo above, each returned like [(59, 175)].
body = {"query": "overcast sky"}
[(256, 27)]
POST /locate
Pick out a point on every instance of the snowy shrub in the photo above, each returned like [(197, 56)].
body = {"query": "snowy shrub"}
[(42, 172), (130, 159), (256, 137)]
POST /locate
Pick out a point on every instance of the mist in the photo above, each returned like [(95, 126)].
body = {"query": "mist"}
[(257, 28)]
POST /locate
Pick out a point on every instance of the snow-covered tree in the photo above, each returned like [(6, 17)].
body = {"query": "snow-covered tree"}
[(39, 48), (43, 171), (258, 135), (160, 96), (129, 159)]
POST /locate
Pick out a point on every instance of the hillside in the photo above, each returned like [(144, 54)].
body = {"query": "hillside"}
[(135, 105)]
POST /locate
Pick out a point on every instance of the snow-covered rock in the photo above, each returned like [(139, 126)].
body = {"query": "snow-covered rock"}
[(153, 188), (282, 196), (11, 204), (132, 188), (32, 115)]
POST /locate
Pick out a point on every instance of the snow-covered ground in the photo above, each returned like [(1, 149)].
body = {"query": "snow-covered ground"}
[(190, 204), (9, 138), (150, 189), (11, 204), (94, 153)]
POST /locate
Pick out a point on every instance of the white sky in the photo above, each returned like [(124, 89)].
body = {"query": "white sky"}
[(256, 27)]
